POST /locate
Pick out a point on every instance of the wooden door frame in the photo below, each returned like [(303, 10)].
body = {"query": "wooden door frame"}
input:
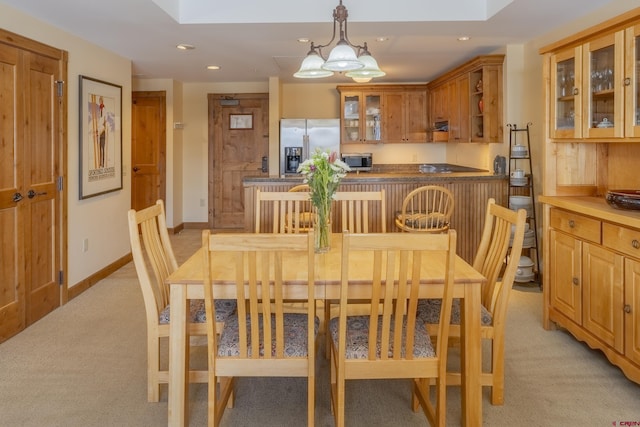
[(62, 56)]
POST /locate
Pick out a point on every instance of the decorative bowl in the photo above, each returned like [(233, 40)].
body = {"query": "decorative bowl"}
[(624, 199)]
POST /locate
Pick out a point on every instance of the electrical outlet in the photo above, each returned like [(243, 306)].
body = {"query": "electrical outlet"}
[(414, 157), (202, 203), (85, 245)]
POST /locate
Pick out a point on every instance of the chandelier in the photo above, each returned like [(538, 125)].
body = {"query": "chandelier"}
[(345, 56)]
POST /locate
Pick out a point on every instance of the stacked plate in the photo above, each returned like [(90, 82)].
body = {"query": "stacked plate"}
[(529, 239), (518, 182), (519, 151), (521, 202)]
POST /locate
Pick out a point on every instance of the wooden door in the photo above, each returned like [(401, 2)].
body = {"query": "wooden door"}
[(238, 147), (148, 148), (31, 202)]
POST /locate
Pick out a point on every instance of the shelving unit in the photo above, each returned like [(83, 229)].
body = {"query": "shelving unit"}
[(521, 185)]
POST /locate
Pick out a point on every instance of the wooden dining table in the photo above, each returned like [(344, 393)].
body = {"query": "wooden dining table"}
[(187, 283)]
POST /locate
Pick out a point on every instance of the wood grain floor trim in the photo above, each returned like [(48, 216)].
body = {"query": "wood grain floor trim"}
[(85, 284)]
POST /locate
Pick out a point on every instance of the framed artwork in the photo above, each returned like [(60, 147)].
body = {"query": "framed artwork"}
[(100, 137), (241, 121)]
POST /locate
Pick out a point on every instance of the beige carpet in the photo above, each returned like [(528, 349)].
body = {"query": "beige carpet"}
[(84, 365)]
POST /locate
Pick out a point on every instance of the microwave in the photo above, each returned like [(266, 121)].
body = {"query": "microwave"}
[(358, 161)]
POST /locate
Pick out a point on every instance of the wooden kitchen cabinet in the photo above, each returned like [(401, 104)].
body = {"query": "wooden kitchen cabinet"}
[(360, 116), (591, 251), (439, 101), (588, 289), (383, 113), (566, 86), (594, 280), (468, 101), (566, 294), (405, 116), (632, 310), (459, 129), (595, 87)]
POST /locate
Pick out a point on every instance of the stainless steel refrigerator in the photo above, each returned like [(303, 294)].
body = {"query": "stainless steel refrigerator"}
[(301, 137)]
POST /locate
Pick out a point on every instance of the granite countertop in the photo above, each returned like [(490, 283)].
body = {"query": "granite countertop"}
[(399, 173)]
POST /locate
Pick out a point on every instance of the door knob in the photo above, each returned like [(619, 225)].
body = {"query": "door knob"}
[(136, 169), (17, 197)]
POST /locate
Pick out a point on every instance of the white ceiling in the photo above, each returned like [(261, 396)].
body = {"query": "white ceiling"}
[(255, 39)]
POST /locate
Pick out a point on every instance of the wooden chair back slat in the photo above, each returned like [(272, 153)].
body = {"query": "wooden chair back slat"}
[(355, 211), (426, 209)]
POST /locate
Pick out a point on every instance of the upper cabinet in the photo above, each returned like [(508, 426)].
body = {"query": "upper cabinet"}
[(594, 89), (466, 102), (383, 113), (361, 116), (405, 116)]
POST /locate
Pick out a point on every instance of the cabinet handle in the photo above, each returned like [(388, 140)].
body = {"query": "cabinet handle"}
[(635, 244), (627, 81), (627, 308), (575, 91), (575, 281), (572, 223)]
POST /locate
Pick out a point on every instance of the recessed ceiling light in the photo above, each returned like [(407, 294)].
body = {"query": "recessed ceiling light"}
[(464, 38), (184, 46), (304, 40), (213, 67), (382, 39)]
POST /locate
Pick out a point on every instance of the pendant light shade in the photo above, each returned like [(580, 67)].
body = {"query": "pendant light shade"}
[(311, 67), (342, 58), (345, 56), (369, 70)]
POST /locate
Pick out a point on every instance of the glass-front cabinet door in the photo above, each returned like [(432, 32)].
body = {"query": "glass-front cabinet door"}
[(631, 82), (361, 119), (566, 79), (603, 69)]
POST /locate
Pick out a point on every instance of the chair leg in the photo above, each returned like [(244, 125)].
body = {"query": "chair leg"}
[(311, 401), (327, 335), (220, 389), (153, 367), (497, 372), (337, 385)]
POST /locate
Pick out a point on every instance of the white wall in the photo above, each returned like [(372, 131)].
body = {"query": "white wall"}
[(195, 142), (101, 219)]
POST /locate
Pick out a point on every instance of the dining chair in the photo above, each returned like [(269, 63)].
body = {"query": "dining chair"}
[(394, 343), (499, 227), (289, 212), (426, 209), (154, 261), (260, 339), (356, 210)]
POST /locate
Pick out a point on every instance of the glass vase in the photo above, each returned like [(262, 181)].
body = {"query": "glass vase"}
[(322, 231)]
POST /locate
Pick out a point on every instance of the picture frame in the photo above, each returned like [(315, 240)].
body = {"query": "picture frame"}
[(100, 136), (240, 121)]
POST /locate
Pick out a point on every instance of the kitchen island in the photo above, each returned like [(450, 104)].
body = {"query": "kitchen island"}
[(471, 188)]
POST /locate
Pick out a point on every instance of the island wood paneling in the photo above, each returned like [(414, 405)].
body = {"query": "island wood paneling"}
[(470, 198)]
